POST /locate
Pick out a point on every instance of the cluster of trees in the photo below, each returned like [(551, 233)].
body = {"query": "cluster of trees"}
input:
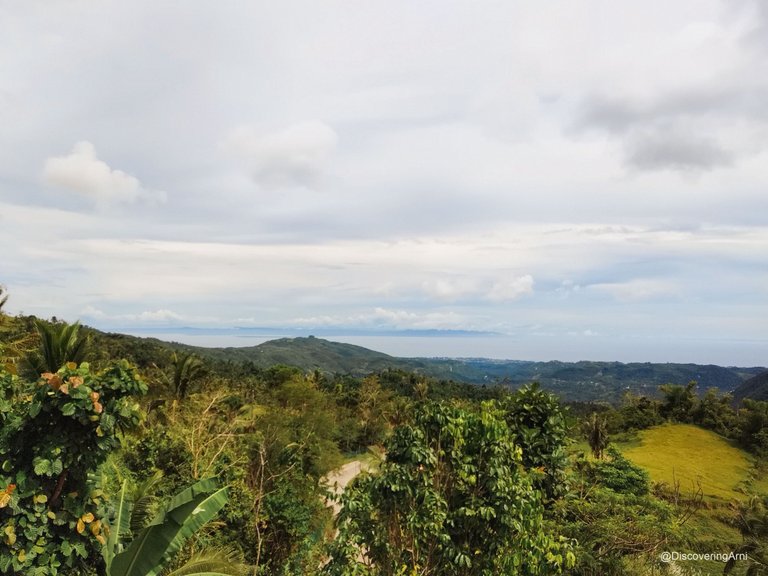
[(103, 471), (746, 424)]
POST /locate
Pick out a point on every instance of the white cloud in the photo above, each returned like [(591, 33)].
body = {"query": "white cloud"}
[(147, 316), (450, 289), (467, 288), (295, 156), (83, 173), (506, 290), (638, 290), (386, 318)]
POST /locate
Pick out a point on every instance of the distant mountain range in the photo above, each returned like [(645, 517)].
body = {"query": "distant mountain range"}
[(594, 381)]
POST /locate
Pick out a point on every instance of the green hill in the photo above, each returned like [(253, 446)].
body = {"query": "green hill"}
[(599, 381), (572, 381), (755, 388), (310, 353)]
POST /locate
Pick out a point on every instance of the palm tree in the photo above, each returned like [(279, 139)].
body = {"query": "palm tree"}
[(59, 343), (186, 369), (3, 297), (596, 431)]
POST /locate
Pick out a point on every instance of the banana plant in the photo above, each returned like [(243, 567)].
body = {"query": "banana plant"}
[(155, 545)]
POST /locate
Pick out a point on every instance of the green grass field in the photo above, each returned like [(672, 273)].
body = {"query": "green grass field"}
[(693, 456)]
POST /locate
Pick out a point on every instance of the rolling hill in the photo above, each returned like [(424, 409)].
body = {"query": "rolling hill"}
[(755, 388), (586, 380)]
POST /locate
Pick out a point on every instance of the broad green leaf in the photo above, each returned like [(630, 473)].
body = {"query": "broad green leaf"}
[(122, 518), (154, 546)]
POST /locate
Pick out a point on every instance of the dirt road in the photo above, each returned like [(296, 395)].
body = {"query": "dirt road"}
[(338, 479)]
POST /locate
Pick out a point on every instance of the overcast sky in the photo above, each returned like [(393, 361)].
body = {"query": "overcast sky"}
[(589, 177)]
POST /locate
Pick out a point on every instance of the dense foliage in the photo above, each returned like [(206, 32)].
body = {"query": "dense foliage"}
[(452, 498), (475, 480), (55, 433)]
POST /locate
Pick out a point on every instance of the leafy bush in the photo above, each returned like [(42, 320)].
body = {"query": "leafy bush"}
[(620, 475), (55, 434)]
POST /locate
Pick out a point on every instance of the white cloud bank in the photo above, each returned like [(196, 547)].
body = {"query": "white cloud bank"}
[(83, 173), (149, 316), (295, 156), (638, 289)]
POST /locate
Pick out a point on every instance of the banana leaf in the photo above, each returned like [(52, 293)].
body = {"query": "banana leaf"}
[(120, 528), (156, 544)]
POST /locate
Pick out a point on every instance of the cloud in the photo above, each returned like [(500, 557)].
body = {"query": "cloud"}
[(677, 131), (512, 289), (83, 173), (386, 318), (457, 289), (450, 289), (296, 156), (148, 316), (684, 116), (637, 290), (668, 149)]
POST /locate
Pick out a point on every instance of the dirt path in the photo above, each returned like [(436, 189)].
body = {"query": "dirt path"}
[(338, 479)]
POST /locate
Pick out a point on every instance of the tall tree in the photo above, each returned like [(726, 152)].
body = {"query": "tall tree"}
[(538, 425), (596, 431)]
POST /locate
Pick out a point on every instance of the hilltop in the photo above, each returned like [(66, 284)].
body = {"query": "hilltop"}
[(572, 381)]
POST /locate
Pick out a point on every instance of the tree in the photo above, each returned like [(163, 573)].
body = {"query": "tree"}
[(59, 343), (451, 499), (186, 369), (596, 431), (639, 412), (538, 426), (679, 401), (374, 407), (753, 426), (715, 412)]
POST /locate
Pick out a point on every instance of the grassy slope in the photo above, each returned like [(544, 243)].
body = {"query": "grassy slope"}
[(690, 455)]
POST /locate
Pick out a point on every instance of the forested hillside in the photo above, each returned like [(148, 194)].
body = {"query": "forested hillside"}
[(128, 457), (755, 388), (571, 381)]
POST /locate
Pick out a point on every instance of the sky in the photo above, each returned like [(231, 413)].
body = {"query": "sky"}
[(588, 179)]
